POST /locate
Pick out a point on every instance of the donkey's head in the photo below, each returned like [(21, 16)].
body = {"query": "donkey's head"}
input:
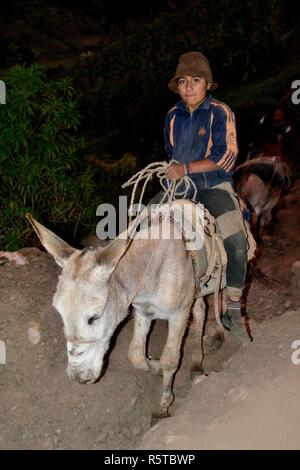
[(84, 300)]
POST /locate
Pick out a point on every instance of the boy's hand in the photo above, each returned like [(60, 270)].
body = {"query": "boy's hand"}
[(175, 171)]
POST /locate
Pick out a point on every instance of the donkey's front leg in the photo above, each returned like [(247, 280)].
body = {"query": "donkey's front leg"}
[(170, 359), (137, 348)]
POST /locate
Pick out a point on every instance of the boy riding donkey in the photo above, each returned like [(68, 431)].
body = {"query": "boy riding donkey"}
[(200, 134)]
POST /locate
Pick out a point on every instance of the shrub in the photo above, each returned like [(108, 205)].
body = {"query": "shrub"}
[(41, 170)]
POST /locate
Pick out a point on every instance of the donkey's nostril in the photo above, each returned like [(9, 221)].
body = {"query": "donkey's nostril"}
[(73, 352)]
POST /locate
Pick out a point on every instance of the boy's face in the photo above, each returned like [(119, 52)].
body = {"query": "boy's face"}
[(192, 90)]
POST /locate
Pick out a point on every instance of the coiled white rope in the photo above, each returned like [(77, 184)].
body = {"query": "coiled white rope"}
[(170, 188)]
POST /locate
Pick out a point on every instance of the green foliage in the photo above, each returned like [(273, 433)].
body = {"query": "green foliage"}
[(40, 166)]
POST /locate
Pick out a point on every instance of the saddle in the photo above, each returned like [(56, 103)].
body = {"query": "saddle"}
[(202, 242)]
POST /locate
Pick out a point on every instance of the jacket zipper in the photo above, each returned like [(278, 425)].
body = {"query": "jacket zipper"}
[(190, 139)]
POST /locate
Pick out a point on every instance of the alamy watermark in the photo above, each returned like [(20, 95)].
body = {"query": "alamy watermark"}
[(2, 353), (153, 222), (295, 357), (2, 92), (296, 94)]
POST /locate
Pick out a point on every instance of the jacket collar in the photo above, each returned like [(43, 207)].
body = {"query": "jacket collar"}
[(204, 106)]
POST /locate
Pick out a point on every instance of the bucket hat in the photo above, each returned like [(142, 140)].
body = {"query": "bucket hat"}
[(193, 64)]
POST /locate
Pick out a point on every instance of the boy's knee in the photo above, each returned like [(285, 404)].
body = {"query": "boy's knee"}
[(236, 245)]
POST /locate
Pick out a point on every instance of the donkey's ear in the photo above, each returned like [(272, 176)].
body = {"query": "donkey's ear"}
[(59, 249), (112, 253)]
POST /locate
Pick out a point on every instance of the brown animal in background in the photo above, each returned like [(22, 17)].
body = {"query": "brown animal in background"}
[(261, 198)]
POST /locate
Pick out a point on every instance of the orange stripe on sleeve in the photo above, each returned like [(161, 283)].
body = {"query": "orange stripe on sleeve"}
[(172, 131), (210, 142), (228, 159)]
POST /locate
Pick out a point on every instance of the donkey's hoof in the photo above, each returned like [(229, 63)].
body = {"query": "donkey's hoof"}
[(157, 415), (195, 371), (214, 342), (217, 340)]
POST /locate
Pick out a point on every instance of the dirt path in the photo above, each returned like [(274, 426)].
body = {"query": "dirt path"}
[(40, 408), (253, 403)]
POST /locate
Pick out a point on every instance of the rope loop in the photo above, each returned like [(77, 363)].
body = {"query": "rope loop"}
[(172, 189)]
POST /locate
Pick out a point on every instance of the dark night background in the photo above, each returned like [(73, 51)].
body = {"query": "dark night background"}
[(118, 58)]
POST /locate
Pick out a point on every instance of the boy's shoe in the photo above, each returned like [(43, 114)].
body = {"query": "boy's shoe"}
[(234, 322)]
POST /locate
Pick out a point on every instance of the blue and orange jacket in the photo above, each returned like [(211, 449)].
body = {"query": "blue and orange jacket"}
[(208, 132)]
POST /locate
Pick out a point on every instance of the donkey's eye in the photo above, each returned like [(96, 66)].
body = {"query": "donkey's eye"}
[(92, 319)]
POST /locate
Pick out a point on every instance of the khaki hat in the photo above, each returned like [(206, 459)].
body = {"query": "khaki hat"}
[(193, 64)]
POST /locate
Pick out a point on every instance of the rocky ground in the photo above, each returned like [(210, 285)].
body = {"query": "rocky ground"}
[(251, 401), (248, 399)]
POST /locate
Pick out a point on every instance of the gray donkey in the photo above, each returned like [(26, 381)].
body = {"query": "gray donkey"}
[(98, 285)]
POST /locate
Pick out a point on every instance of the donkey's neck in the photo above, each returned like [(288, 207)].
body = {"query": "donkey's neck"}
[(127, 278)]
